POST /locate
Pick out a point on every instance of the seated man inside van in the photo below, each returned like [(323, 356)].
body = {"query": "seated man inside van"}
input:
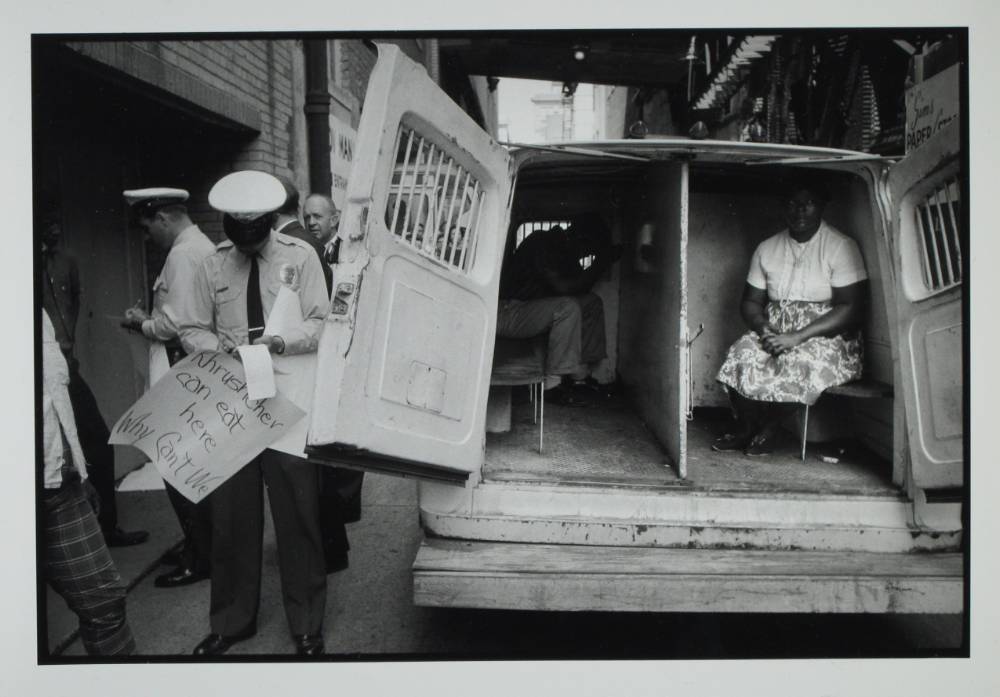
[(544, 288)]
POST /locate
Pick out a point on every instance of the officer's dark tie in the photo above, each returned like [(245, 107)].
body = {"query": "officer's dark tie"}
[(255, 311)]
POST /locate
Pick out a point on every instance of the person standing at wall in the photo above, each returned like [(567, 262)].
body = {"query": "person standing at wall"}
[(61, 293), (234, 293), (76, 562), (161, 213)]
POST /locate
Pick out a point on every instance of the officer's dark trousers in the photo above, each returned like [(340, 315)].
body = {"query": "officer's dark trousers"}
[(94, 434), (237, 512), (196, 523)]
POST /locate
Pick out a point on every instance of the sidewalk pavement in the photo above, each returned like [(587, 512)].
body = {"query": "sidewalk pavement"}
[(142, 505), (369, 606)]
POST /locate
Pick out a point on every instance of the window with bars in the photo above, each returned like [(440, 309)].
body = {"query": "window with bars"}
[(525, 229), (938, 219), (434, 204)]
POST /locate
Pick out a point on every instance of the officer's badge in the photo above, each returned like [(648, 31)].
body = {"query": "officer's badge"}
[(288, 274)]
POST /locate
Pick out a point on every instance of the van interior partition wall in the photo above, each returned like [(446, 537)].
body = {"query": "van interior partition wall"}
[(688, 231)]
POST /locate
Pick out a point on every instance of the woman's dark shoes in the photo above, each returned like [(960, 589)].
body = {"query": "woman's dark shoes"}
[(309, 645), (117, 537), (730, 442), (216, 644), (760, 444), (180, 576)]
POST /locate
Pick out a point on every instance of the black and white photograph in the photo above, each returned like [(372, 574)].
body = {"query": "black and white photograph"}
[(444, 348)]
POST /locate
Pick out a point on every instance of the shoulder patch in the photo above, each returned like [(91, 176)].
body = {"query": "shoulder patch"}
[(289, 241)]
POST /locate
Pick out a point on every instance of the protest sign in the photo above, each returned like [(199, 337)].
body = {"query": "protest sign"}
[(199, 426)]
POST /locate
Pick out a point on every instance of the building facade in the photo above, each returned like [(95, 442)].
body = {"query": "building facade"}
[(825, 88)]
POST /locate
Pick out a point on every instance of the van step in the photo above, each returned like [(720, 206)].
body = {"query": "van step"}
[(494, 575), (625, 518)]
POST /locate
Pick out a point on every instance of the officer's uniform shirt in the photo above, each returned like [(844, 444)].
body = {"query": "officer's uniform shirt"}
[(172, 296), (219, 307)]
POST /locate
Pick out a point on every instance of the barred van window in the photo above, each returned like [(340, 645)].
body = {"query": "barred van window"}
[(938, 224), (434, 203), (525, 229)]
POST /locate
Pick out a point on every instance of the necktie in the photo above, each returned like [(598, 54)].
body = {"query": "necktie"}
[(255, 311)]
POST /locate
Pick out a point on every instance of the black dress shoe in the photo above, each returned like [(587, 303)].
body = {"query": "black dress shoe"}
[(119, 538), (180, 576), (174, 556), (216, 644), (565, 397), (309, 645), (336, 561)]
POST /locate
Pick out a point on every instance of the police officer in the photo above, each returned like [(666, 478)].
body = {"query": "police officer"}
[(234, 293), (162, 214)]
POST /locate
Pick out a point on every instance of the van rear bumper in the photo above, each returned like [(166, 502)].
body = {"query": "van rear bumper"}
[(520, 576)]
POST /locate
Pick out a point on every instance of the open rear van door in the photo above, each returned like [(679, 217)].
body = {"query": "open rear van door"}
[(404, 360), (928, 248)]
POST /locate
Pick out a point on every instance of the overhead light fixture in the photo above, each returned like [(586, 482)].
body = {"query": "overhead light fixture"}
[(580, 52)]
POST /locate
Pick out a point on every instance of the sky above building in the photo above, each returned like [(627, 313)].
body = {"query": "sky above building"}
[(521, 120)]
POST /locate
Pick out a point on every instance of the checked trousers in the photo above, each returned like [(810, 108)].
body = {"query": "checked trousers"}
[(79, 567)]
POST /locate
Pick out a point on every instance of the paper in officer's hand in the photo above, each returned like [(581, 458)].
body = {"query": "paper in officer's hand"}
[(286, 313), (295, 375), (259, 371)]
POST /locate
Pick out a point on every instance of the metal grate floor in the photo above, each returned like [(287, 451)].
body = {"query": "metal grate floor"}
[(609, 445)]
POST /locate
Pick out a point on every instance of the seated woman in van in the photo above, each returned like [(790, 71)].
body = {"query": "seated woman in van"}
[(803, 302)]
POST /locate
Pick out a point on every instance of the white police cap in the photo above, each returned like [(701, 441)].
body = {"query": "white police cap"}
[(247, 195), (144, 200)]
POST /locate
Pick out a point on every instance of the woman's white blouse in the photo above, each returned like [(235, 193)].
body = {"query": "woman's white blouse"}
[(790, 270)]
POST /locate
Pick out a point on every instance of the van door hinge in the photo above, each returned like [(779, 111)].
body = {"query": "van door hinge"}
[(360, 231)]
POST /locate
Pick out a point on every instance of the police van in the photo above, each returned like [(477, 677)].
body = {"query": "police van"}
[(624, 506)]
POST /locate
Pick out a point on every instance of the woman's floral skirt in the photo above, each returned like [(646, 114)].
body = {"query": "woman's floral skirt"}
[(799, 375)]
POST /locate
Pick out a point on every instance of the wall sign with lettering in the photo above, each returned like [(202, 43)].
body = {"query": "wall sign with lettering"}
[(199, 426), (930, 105)]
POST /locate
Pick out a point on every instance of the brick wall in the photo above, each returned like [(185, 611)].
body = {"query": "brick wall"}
[(352, 64), (258, 83), (258, 73)]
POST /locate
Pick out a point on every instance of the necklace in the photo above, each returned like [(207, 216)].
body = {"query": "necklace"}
[(799, 253)]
